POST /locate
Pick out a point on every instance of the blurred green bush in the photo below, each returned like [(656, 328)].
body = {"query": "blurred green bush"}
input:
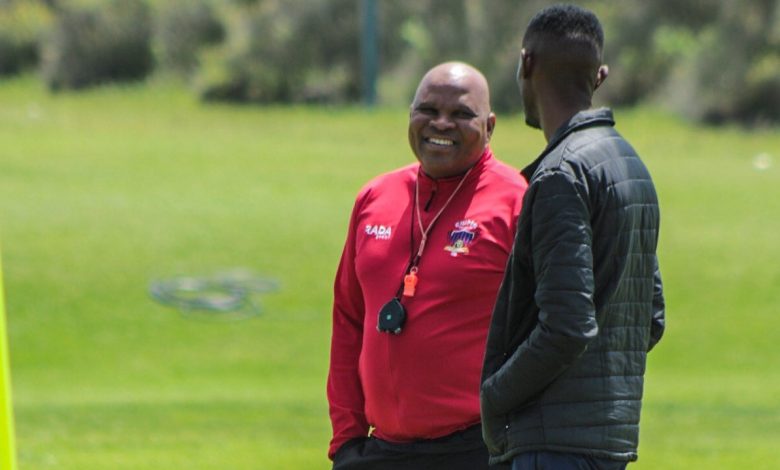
[(278, 51), (104, 43), (709, 60), (182, 28), (21, 25)]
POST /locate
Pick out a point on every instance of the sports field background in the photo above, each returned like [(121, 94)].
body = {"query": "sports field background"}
[(103, 191)]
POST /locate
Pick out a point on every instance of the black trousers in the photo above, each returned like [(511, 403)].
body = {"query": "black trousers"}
[(561, 461), (462, 450)]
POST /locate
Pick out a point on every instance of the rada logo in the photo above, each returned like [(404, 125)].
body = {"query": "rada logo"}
[(379, 232)]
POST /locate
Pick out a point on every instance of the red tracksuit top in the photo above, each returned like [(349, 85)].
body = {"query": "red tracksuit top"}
[(424, 382)]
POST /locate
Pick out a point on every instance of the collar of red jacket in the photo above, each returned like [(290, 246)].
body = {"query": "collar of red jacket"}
[(452, 181)]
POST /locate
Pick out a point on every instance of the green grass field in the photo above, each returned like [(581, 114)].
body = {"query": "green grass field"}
[(103, 191)]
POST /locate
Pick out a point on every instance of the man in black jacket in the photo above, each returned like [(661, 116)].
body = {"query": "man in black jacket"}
[(581, 303)]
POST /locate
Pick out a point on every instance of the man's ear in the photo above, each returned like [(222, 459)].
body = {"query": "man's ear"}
[(491, 125), (601, 75), (526, 64)]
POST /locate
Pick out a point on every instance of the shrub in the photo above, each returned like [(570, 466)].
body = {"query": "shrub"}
[(732, 72), (92, 46), (182, 29), (287, 52), (21, 25), (762, 95)]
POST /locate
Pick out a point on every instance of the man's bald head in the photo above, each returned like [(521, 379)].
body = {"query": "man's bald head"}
[(450, 123), (458, 74)]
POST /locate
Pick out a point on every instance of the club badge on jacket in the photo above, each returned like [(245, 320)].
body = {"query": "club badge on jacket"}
[(460, 238)]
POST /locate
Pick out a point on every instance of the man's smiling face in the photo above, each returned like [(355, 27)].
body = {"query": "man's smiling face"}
[(450, 123)]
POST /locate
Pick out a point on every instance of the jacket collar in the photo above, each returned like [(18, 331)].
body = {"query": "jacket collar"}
[(581, 120)]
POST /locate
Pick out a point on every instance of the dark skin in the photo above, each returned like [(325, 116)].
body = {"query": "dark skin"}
[(450, 122), (557, 80)]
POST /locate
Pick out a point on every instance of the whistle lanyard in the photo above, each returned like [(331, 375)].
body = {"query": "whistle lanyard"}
[(411, 278)]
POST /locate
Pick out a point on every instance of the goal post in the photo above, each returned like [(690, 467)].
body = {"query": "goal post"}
[(7, 438)]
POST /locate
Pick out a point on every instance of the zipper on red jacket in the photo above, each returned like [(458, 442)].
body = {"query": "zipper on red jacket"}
[(433, 194)]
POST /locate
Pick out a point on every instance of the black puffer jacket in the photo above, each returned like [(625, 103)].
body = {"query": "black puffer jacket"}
[(581, 303)]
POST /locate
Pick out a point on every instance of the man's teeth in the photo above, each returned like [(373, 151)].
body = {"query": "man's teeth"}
[(436, 141)]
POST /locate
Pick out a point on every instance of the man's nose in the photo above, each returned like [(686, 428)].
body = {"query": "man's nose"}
[(442, 122)]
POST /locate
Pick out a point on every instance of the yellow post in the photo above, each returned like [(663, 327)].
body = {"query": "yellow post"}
[(7, 446)]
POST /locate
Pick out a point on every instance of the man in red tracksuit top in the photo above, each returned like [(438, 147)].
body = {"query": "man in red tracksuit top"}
[(425, 254)]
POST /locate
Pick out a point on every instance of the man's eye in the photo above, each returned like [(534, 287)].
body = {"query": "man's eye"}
[(426, 110), (465, 115)]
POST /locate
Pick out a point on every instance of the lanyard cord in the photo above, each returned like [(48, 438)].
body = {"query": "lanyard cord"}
[(411, 269), (426, 231)]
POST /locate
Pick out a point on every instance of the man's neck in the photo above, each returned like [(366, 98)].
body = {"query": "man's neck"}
[(558, 110)]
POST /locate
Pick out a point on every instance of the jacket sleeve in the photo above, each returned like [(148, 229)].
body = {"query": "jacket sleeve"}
[(345, 394), (563, 269), (658, 324)]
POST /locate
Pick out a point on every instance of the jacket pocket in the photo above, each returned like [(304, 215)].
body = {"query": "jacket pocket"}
[(525, 425), (494, 433)]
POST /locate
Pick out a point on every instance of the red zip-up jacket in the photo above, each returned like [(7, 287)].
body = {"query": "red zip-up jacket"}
[(424, 382)]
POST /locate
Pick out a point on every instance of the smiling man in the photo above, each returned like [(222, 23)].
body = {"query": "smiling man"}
[(450, 121), (425, 253)]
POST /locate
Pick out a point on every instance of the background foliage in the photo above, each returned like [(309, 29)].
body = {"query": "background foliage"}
[(93, 46), (709, 60)]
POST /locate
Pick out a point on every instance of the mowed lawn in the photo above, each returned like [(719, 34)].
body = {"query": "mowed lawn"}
[(103, 191)]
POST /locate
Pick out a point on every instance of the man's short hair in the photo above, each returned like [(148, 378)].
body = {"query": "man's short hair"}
[(568, 24)]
